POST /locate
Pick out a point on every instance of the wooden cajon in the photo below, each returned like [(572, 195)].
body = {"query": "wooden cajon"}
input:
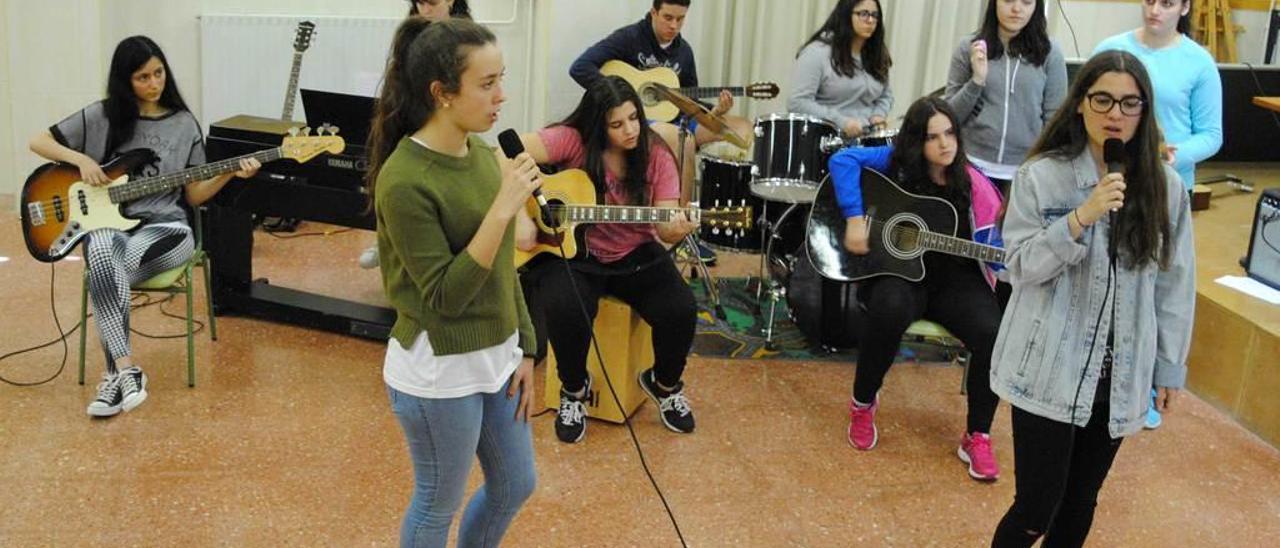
[(626, 342)]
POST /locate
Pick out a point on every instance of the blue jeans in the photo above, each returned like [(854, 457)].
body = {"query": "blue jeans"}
[(444, 435)]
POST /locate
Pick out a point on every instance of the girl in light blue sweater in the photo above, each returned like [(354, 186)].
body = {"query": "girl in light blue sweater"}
[(1188, 87)]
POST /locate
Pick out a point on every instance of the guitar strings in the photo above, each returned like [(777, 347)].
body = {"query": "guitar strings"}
[(47, 208)]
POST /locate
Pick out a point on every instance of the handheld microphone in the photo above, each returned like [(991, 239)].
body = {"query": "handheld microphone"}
[(1113, 155), (512, 147)]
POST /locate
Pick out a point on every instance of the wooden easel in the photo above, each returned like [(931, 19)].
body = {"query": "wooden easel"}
[(1211, 26)]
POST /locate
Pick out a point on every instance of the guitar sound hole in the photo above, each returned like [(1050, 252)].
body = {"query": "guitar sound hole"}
[(905, 238), (649, 96)]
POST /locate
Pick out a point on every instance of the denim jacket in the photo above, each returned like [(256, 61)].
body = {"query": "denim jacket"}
[(1059, 288)]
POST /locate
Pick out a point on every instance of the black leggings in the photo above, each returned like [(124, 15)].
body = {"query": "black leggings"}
[(955, 295), (657, 293), (1060, 469)]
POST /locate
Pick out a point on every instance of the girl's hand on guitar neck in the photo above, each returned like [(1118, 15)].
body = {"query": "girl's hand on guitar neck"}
[(725, 104), (676, 229), (856, 235), (91, 172)]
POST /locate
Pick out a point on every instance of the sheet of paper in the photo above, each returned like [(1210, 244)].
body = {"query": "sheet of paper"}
[(1252, 287)]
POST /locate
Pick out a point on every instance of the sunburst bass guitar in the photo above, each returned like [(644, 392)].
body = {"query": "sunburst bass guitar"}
[(58, 209)]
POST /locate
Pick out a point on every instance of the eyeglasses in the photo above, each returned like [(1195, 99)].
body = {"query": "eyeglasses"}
[(866, 15), (1102, 102)]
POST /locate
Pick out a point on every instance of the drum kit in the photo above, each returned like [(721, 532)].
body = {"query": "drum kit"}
[(777, 174)]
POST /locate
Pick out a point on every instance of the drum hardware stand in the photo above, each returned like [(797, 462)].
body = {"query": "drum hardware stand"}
[(690, 239), (769, 286)]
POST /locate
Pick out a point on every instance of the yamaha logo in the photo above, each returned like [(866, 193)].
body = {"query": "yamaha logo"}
[(343, 163)]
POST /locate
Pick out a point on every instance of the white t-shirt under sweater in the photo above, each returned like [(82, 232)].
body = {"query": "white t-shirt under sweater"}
[(418, 371)]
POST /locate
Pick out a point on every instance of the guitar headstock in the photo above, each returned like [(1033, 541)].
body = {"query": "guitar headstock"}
[(301, 146), (761, 90), (302, 37), (728, 218)]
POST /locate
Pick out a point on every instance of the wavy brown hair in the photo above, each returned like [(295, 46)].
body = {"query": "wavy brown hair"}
[(1143, 222)]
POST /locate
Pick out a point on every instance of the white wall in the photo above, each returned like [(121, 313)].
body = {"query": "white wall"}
[(1095, 21), (6, 105), (46, 74)]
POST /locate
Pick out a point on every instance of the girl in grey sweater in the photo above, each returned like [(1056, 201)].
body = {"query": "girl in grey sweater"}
[(842, 72), (1006, 81)]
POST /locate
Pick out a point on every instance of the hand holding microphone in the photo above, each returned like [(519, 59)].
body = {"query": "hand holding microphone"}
[(1108, 196), (521, 178)]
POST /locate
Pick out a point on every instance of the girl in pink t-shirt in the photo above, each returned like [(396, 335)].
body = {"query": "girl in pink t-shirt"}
[(608, 137)]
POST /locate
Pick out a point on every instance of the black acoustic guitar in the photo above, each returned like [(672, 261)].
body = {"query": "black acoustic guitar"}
[(902, 227)]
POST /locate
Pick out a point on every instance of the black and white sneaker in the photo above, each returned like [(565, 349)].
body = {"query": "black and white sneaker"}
[(108, 401), (133, 388), (571, 424), (673, 407)]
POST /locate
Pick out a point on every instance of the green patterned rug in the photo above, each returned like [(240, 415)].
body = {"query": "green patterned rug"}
[(740, 334)]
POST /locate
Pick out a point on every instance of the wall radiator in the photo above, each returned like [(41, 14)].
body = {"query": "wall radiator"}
[(245, 62)]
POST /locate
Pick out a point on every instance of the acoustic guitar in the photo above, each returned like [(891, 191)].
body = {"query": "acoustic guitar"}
[(902, 227), (656, 107), (572, 199)]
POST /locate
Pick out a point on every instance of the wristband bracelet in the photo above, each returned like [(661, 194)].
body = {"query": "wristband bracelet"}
[(1076, 212)]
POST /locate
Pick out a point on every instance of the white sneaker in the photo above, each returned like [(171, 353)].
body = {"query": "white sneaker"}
[(369, 258), (107, 403), (133, 388)]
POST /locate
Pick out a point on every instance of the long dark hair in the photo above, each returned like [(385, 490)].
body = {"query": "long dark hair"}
[(837, 32), (590, 119), (121, 104), (1031, 43), (459, 9), (1184, 22), (1143, 222), (422, 52), (908, 159)]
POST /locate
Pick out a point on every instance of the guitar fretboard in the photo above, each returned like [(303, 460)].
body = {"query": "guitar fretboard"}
[(620, 214), (293, 87), (133, 190), (708, 93), (964, 248)]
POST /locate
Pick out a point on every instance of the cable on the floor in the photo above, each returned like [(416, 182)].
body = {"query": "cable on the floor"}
[(626, 418), (62, 336), (305, 234)]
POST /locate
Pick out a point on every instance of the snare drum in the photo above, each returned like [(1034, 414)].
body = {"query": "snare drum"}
[(876, 138), (726, 182), (789, 156)]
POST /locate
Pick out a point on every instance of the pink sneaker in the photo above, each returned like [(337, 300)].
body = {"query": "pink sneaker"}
[(975, 450), (862, 425)]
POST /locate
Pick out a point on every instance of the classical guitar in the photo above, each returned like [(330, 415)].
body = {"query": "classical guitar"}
[(572, 199), (301, 41), (58, 209), (902, 227), (656, 107)]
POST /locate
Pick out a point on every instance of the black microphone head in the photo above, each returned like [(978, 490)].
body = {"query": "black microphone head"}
[(509, 140), (1113, 154)]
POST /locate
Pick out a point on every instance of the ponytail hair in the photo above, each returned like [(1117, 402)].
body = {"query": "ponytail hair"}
[(422, 53), (1184, 22)]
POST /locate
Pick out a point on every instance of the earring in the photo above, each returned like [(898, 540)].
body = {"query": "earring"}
[(446, 105)]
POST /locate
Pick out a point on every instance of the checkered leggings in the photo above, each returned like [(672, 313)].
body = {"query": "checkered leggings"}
[(118, 260)]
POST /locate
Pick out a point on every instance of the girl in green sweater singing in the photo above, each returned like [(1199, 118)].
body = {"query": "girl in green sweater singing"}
[(458, 366)]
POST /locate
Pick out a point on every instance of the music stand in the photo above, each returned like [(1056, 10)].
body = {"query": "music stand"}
[(691, 109)]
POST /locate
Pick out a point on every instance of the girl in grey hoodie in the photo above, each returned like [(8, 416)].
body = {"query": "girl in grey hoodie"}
[(1006, 81)]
